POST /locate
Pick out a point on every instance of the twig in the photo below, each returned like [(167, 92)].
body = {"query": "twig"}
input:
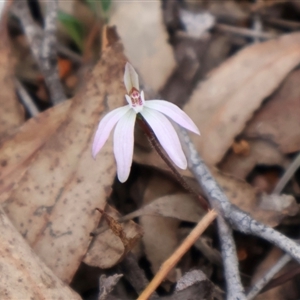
[(43, 49), (259, 285), (26, 99), (287, 24), (291, 273), (71, 55), (219, 201), (287, 175), (235, 289), (49, 54), (134, 274), (236, 217), (179, 252), (249, 33), (257, 27)]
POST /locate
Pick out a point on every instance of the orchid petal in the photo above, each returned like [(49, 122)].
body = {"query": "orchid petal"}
[(166, 135), (131, 78), (105, 127), (123, 144), (173, 112)]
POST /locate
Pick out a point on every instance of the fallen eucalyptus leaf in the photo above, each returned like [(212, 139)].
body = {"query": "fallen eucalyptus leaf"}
[(148, 48), (183, 207), (24, 275), (223, 103), (63, 185), (278, 119)]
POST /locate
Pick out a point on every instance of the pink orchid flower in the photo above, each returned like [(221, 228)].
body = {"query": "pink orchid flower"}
[(153, 111)]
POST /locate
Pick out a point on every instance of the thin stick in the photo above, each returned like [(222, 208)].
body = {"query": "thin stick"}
[(48, 54), (268, 276), (43, 45), (287, 175), (237, 218), (261, 283), (26, 99), (177, 255), (244, 32)]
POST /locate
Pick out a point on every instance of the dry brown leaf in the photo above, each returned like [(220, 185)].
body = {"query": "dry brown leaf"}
[(160, 237), (148, 48), (261, 152), (223, 103), (229, 11), (54, 204), (20, 148), (243, 196), (107, 248), (11, 111), (24, 275), (278, 120), (238, 191), (179, 206)]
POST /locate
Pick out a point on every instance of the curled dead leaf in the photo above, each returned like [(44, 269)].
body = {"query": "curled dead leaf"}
[(112, 242)]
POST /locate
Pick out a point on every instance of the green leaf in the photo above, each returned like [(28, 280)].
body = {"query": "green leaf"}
[(105, 5), (73, 27), (99, 5)]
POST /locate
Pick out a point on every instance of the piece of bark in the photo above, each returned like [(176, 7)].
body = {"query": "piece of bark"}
[(107, 284), (134, 274), (193, 285)]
